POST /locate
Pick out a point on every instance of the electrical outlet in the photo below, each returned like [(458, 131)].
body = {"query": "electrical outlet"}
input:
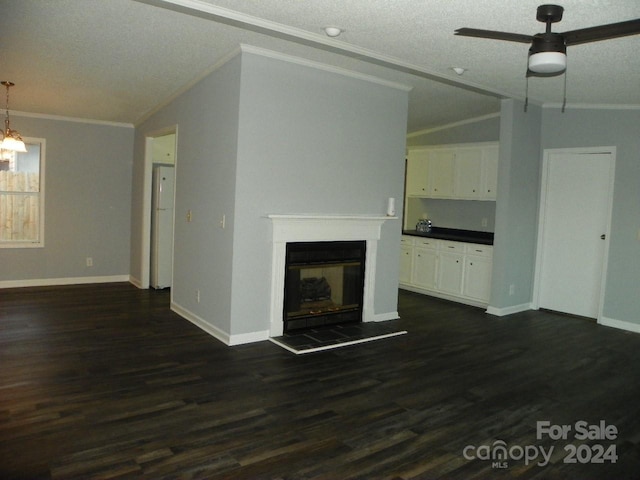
[(189, 215), (89, 261), (485, 221), (223, 221), (198, 296), (512, 289)]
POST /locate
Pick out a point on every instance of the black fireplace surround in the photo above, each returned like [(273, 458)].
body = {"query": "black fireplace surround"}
[(323, 284)]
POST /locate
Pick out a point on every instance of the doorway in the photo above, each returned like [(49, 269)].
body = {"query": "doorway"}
[(573, 230), (160, 149)]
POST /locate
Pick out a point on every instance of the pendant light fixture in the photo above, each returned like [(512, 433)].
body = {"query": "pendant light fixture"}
[(11, 140)]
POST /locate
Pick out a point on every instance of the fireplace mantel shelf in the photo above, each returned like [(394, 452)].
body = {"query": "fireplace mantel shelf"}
[(296, 216)]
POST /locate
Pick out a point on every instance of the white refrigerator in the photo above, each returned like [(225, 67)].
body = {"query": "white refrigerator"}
[(162, 226)]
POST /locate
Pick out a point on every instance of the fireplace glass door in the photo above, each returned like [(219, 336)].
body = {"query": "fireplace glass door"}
[(324, 283)]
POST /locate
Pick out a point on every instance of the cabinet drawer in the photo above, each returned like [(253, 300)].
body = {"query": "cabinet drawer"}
[(479, 250), (406, 240), (426, 243), (453, 247)]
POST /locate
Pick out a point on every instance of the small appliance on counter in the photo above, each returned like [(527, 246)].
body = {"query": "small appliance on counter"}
[(423, 226)]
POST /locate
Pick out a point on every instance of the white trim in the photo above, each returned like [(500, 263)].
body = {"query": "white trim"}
[(135, 282), (337, 345), (621, 324), (242, 338), (202, 324), (594, 106), (413, 148), (323, 66), (217, 333), (501, 312), (51, 282), (610, 150), (384, 317), (319, 228), (205, 10), (60, 118), (444, 296), (454, 124)]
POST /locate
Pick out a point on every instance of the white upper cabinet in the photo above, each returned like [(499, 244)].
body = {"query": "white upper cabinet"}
[(417, 173), (490, 157), (440, 173), (468, 172)]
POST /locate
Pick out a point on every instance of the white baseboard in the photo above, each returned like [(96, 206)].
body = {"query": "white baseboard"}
[(199, 322), (249, 338), (621, 324), (444, 296), (224, 337), (136, 282), (50, 282), (501, 312), (383, 317)]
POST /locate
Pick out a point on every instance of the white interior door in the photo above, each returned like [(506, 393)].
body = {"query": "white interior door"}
[(574, 223)]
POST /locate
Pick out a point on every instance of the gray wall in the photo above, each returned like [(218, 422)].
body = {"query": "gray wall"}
[(312, 141), (517, 205), (619, 128), (87, 202), (261, 136), (207, 119)]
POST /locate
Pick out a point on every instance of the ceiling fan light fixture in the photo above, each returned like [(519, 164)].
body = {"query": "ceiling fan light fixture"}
[(548, 62)]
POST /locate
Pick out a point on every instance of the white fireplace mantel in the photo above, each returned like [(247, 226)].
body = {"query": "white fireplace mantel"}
[(322, 228)]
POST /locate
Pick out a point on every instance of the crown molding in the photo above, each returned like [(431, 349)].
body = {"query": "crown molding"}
[(61, 118), (454, 124)]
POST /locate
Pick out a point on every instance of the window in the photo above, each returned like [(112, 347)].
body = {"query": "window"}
[(22, 196)]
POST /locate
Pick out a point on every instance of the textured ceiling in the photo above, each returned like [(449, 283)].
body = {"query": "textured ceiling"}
[(118, 60)]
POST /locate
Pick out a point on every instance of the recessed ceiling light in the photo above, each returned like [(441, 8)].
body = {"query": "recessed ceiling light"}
[(333, 31), (459, 70)]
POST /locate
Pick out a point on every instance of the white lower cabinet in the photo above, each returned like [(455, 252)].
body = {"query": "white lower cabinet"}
[(425, 262), (406, 252), (453, 270), (450, 273)]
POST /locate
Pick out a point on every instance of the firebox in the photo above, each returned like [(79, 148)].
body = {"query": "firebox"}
[(324, 283)]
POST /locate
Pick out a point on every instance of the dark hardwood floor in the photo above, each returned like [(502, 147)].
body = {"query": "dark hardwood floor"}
[(103, 381)]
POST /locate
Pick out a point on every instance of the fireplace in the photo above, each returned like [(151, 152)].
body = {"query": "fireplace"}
[(324, 283), (295, 228)]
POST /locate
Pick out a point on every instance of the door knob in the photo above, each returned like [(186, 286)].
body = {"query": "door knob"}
[(603, 236)]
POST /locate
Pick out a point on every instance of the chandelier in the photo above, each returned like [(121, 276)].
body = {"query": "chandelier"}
[(11, 139)]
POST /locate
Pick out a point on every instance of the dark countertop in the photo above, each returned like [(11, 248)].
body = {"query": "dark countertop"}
[(454, 234)]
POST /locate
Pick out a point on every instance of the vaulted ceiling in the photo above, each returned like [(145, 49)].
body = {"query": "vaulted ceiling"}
[(118, 60)]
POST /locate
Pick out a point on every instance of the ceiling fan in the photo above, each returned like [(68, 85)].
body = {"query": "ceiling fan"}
[(548, 51)]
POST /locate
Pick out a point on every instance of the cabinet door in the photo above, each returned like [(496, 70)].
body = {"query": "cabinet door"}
[(441, 173), (417, 172), (490, 156), (450, 273), (406, 262), (477, 278), (468, 173), (425, 266)]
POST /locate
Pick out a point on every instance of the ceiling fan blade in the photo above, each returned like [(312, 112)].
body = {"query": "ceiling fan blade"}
[(602, 32), (509, 37)]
